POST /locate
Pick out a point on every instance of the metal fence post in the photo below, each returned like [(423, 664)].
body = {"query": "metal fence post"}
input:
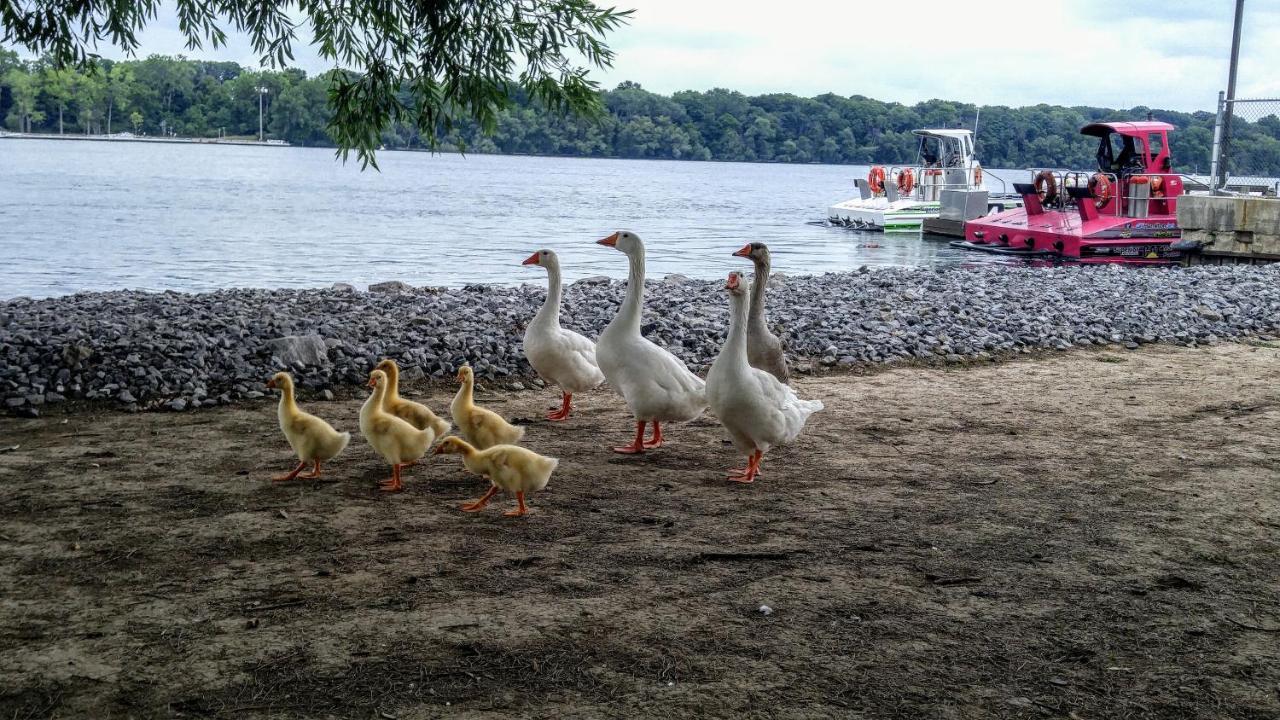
[(1217, 177)]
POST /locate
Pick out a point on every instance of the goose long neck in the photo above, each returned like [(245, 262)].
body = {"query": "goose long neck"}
[(629, 313), (549, 313), (288, 403), (758, 285), (466, 392), (393, 384), (735, 346)]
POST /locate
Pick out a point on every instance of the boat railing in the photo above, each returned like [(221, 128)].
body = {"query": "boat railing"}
[(930, 181), (1129, 199)]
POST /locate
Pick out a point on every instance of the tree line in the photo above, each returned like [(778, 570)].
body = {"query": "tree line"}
[(163, 95)]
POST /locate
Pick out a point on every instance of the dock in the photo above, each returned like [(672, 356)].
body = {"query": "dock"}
[(1229, 230)]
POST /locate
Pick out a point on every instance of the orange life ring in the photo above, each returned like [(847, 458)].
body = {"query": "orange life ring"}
[(1101, 187), (875, 179), (1157, 187), (906, 181), (1046, 186), (977, 174)]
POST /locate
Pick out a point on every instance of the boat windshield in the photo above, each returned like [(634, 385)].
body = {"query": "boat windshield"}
[(1120, 154), (940, 152)]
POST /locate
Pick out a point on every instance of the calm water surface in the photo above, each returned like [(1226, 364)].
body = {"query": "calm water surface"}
[(99, 216)]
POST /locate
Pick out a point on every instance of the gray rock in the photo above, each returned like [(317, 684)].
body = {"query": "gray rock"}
[(327, 394), (594, 280), (126, 397), (345, 287), (303, 350), (15, 402), (177, 405), (390, 286)]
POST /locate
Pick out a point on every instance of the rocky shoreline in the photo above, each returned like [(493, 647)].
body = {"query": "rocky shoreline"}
[(178, 351)]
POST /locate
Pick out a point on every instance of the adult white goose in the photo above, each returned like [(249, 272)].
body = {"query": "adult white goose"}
[(764, 349), (758, 411), (658, 387), (561, 357)]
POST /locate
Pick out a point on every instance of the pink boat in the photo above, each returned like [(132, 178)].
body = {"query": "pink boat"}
[(1126, 211)]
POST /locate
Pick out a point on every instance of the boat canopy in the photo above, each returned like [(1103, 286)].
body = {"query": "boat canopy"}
[(1128, 129), (947, 133)]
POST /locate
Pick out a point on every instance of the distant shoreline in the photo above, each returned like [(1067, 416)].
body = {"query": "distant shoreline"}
[(140, 138)]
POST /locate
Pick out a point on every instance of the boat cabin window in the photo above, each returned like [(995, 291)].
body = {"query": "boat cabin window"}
[(941, 152), (1121, 154)]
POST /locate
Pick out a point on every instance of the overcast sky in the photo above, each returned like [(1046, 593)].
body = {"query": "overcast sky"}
[(1113, 53)]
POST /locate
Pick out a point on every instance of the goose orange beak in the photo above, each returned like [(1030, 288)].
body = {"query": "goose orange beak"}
[(744, 252), (611, 241), (531, 260), (732, 282)]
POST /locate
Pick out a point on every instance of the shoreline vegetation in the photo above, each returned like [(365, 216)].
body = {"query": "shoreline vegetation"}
[(161, 96), (172, 351)]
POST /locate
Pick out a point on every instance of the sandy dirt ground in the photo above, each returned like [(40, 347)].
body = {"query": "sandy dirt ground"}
[(1086, 535)]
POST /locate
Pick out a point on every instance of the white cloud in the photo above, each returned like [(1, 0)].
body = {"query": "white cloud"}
[(1170, 53)]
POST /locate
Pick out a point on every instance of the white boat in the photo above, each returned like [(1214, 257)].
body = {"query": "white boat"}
[(901, 198)]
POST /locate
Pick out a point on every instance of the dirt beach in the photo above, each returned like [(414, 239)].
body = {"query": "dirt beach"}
[(1087, 535)]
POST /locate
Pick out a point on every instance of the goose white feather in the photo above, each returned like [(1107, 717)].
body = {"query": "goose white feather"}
[(758, 410), (656, 385), (561, 357)]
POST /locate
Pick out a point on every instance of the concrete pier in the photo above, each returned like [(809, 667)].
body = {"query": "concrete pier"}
[(1227, 229)]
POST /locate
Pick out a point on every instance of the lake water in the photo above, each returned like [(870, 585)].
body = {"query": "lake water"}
[(103, 215)]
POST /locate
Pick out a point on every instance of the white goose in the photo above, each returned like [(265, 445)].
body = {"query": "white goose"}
[(656, 385), (758, 411), (561, 357)]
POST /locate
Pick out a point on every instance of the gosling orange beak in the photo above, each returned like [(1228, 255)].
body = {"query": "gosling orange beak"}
[(531, 260), (372, 383), (744, 252), (271, 384), (611, 241), (438, 449)]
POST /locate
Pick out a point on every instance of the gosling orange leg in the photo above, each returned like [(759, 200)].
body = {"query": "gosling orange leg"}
[(290, 475), (315, 471), (656, 440), (563, 412), (637, 446), (521, 508), (394, 483), (478, 505)]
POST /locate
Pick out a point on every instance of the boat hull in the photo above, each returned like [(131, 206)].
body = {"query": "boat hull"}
[(878, 214), (1065, 234)]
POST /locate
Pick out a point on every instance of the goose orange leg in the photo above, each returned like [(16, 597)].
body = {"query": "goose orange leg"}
[(478, 505), (521, 509), (752, 469), (563, 412), (656, 440), (394, 483), (637, 446), (290, 475)]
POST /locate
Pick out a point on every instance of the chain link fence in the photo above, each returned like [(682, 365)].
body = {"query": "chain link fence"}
[(1246, 146)]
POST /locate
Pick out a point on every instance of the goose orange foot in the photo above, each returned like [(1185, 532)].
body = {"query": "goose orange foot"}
[(478, 505), (289, 475), (563, 412), (394, 484), (749, 473), (656, 440), (637, 446), (522, 509)]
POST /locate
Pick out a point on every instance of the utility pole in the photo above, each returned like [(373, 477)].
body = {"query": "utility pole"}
[(1225, 144), (261, 94)]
